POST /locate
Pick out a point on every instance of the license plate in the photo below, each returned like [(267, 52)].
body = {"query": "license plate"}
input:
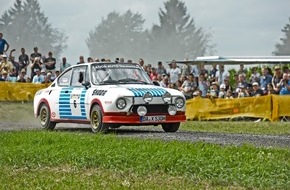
[(156, 118)]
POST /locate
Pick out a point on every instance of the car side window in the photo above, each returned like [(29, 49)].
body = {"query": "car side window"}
[(78, 76), (64, 79)]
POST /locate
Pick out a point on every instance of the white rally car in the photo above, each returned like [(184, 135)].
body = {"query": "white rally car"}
[(108, 95)]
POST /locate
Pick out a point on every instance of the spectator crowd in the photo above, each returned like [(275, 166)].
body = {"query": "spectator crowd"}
[(191, 80)]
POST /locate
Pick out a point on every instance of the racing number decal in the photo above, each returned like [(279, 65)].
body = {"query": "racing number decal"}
[(72, 103)]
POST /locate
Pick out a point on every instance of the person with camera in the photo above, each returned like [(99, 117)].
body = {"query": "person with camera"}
[(284, 85), (35, 65)]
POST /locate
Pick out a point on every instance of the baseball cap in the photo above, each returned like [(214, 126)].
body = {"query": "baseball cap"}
[(255, 84), (277, 67), (223, 86)]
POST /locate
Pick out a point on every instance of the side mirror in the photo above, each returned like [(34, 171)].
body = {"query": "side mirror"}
[(156, 83), (86, 84)]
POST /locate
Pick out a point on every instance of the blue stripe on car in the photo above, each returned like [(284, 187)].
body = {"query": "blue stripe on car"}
[(139, 92)]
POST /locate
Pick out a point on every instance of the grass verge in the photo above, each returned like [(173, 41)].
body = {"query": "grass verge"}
[(52, 160)]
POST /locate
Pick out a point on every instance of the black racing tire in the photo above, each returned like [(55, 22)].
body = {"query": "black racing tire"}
[(97, 124), (44, 115), (170, 127)]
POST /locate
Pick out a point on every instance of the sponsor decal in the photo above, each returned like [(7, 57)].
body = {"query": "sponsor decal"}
[(75, 96), (112, 66), (108, 102), (99, 92)]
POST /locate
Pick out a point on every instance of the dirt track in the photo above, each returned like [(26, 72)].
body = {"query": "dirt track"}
[(153, 132)]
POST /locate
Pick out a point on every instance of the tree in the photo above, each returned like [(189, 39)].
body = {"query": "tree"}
[(283, 48), (176, 36), (117, 36), (24, 25)]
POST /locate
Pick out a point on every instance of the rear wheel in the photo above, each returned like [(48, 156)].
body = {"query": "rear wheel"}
[(97, 124), (170, 127), (44, 115)]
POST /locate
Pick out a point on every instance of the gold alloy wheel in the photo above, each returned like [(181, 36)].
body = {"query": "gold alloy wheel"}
[(95, 120), (43, 116)]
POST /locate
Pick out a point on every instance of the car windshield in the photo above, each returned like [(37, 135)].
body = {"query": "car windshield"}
[(112, 73)]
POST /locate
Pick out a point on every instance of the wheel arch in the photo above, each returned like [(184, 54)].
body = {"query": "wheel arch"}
[(41, 102), (96, 102)]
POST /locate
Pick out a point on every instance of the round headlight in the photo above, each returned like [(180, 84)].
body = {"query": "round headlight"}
[(179, 102), (142, 110), (166, 97), (121, 103), (172, 110), (147, 97)]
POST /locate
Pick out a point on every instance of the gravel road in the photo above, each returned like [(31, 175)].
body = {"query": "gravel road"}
[(153, 132)]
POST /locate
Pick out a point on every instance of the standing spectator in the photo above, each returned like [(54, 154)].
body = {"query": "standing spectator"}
[(175, 73), (64, 64), (38, 78), (186, 69), (228, 85), (265, 79), (160, 69), (5, 76), (90, 60), (188, 86), (35, 65), (212, 73), (203, 85), (222, 74), (21, 78), (15, 63), (255, 76), (81, 60), (23, 59), (168, 69), (203, 70), (165, 82), (50, 62), (35, 54), (276, 78), (256, 90), (270, 89), (153, 73), (242, 82), (141, 62), (23, 74), (242, 70), (284, 85), (5, 64), (222, 92), (3, 42)]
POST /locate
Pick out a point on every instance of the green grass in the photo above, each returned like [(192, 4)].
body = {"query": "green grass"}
[(63, 160), (249, 127)]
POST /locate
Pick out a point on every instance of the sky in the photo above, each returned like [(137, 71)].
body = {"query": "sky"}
[(238, 28)]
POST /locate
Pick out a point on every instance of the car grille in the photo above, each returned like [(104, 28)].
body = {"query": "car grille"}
[(152, 108)]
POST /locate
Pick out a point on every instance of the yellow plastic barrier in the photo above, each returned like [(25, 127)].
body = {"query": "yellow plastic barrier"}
[(19, 91), (206, 108), (281, 106)]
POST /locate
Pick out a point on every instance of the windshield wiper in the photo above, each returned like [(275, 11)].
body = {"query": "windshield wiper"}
[(129, 80)]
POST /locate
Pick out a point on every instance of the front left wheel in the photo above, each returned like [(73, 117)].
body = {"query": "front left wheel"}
[(97, 124), (44, 115), (170, 127)]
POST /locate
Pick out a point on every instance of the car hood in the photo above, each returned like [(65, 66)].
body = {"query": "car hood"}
[(138, 90)]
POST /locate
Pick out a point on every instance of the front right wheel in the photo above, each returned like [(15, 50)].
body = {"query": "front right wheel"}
[(97, 124), (170, 127)]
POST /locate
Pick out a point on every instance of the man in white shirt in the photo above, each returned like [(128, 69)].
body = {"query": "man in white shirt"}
[(222, 74), (38, 78), (175, 73)]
